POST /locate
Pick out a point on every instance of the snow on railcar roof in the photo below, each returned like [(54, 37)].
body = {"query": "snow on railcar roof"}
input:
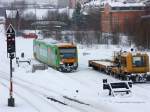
[(48, 41), (55, 42)]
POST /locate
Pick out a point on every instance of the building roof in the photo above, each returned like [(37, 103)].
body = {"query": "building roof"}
[(115, 3), (112, 2), (123, 4)]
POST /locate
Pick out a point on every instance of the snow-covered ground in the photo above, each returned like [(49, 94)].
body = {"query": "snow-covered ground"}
[(52, 91)]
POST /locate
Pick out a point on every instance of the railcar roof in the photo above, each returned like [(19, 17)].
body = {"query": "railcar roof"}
[(57, 43), (133, 53)]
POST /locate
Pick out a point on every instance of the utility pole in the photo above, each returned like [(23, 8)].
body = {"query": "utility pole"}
[(35, 5), (11, 50)]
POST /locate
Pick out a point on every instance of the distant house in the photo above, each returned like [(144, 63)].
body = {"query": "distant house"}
[(147, 3), (11, 14), (12, 17), (62, 3), (2, 11), (117, 16)]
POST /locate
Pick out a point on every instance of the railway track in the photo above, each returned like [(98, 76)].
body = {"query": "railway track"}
[(20, 96), (47, 95), (145, 90), (36, 94)]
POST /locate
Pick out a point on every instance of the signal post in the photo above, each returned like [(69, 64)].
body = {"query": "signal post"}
[(11, 52)]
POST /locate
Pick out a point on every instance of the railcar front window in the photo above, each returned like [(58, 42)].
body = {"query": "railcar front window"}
[(68, 52), (138, 61)]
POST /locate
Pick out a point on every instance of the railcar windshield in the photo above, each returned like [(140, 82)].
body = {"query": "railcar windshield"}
[(138, 61), (68, 52)]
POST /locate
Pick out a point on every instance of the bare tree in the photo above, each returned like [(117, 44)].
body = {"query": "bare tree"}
[(19, 5), (142, 33)]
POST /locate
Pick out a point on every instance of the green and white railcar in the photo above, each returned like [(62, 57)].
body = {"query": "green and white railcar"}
[(61, 56)]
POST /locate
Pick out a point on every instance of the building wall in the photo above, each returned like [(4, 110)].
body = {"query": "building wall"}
[(118, 20)]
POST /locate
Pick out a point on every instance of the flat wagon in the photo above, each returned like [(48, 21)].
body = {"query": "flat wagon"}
[(125, 66)]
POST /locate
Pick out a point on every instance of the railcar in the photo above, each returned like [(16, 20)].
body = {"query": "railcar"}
[(125, 66), (61, 56)]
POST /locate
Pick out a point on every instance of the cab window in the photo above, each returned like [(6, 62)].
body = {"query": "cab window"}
[(138, 61)]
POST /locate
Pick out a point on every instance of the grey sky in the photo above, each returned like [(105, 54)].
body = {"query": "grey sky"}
[(38, 1)]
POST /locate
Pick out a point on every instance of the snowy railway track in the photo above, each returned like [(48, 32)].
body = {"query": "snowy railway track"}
[(34, 93), (19, 95), (33, 84), (46, 94), (145, 90)]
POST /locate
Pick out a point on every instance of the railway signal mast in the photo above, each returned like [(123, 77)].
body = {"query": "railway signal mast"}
[(11, 51)]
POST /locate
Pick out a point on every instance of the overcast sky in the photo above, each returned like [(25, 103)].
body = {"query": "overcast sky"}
[(38, 1)]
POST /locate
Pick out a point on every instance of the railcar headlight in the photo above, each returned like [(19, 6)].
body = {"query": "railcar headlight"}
[(61, 62)]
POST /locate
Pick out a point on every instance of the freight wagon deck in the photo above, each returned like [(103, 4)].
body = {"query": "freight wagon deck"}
[(101, 65), (125, 66)]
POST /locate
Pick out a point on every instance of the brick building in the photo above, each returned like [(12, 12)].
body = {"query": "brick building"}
[(117, 16)]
